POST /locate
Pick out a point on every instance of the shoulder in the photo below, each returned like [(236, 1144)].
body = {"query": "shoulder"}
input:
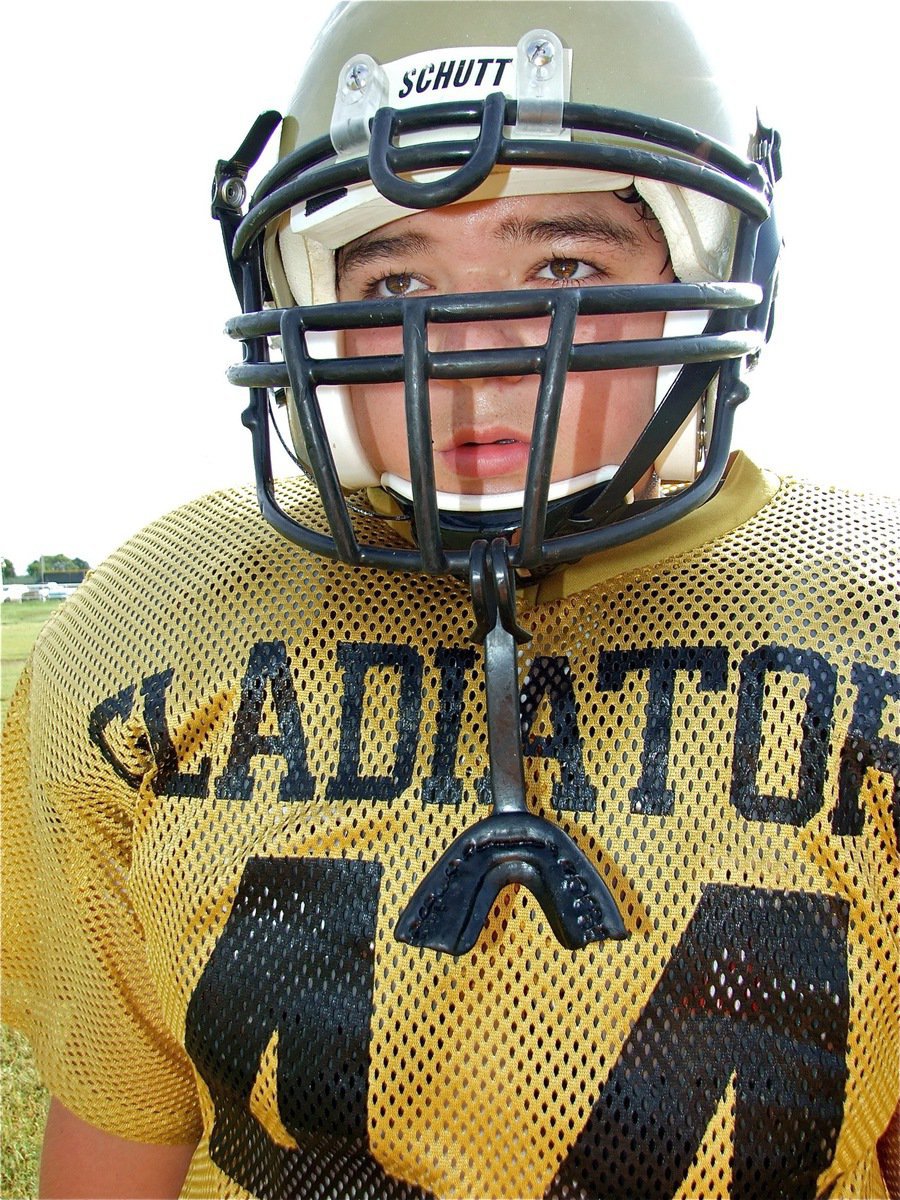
[(206, 564), (867, 510), (758, 526), (188, 545), (848, 536), (194, 591), (199, 554)]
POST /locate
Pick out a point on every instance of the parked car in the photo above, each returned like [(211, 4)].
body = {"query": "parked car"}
[(40, 591)]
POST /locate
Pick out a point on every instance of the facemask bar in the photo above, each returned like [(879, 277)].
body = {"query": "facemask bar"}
[(416, 365)]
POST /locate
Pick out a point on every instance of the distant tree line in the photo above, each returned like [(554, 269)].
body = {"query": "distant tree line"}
[(58, 567)]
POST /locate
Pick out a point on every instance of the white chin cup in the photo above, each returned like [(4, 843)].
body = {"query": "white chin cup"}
[(501, 501)]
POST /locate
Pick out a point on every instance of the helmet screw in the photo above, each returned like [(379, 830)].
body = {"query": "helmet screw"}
[(233, 192), (540, 52), (357, 78)]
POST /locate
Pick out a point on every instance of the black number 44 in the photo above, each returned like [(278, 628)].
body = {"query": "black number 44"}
[(754, 996)]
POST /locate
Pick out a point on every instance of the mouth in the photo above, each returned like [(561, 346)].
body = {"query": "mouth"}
[(486, 455)]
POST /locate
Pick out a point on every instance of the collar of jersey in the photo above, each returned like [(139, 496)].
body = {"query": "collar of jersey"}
[(744, 491)]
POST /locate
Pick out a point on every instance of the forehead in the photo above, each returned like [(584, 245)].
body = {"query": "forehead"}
[(602, 216)]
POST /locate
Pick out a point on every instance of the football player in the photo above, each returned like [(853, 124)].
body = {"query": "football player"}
[(504, 804)]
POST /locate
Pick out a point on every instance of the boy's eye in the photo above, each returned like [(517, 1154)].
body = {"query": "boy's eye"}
[(398, 285), (566, 269)]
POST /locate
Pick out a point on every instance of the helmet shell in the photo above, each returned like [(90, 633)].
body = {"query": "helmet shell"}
[(641, 57)]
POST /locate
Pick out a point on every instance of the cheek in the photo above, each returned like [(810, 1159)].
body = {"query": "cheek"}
[(602, 415), (604, 411), (380, 418), (620, 327), (378, 408), (371, 343)]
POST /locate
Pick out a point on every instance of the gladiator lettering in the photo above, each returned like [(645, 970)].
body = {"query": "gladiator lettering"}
[(652, 794), (549, 686)]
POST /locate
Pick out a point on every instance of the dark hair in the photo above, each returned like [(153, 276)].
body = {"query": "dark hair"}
[(630, 195)]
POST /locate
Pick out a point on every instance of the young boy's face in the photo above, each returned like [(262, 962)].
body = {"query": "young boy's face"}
[(482, 427)]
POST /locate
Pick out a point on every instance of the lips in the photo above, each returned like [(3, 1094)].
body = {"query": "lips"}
[(486, 454)]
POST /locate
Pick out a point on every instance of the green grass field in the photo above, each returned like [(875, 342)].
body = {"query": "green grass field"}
[(19, 625), (24, 1101), (24, 1112)]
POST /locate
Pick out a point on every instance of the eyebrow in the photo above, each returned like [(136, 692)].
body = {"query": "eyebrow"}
[(584, 225), (589, 226), (368, 249)]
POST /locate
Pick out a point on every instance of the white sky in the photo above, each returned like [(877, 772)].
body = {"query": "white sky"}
[(115, 287)]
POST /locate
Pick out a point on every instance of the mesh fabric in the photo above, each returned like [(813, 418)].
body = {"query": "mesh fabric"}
[(230, 764)]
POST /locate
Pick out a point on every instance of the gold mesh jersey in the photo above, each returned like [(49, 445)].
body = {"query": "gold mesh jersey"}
[(230, 763)]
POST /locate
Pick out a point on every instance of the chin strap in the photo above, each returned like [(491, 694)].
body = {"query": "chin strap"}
[(512, 845)]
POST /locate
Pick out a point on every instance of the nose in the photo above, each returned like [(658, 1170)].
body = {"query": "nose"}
[(460, 337), (496, 334)]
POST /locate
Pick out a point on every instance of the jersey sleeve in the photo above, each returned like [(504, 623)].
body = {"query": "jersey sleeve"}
[(76, 979)]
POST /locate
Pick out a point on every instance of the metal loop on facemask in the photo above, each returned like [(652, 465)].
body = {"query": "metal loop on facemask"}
[(383, 161)]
